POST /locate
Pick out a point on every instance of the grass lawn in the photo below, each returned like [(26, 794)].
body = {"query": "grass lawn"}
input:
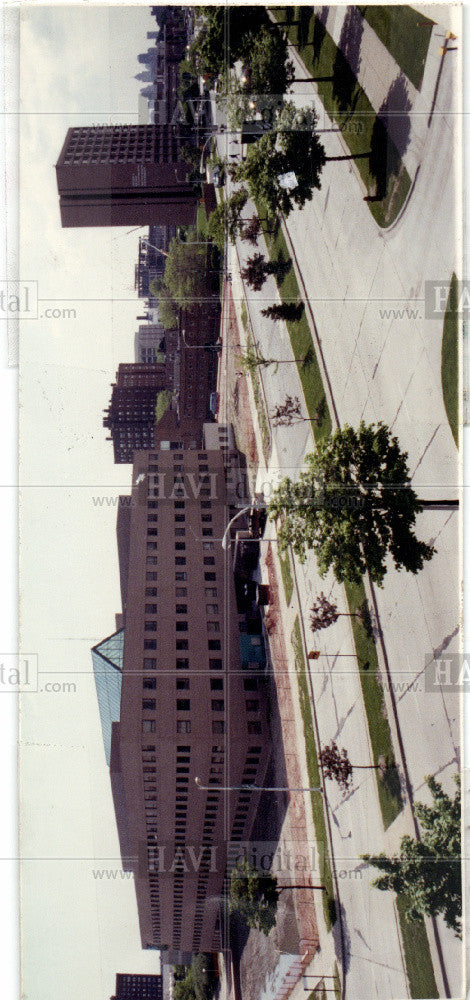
[(391, 802), (378, 161), (263, 420), (417, 955), (299, 332), (326, 877), (406, 34), (286, 573), (450, 359)]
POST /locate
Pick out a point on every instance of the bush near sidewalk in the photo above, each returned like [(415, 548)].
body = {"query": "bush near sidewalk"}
[(326, 877), (299, 330), (389, 789), (376, 156)]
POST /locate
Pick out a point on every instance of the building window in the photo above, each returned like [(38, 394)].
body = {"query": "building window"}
[(209, 561), (180, 532), (181, 643), (150, 609), (207, 532), (218, 726), (215, 664), (214, 644), (180, 546), (149, 704), (182, 684), (217, 684), (183, 704), (150, 591), (250, 684), (150, 626), (211, 591), (183, 726), (208, 546), (180, 576), (181, 609), (152, 546), (213, 626), (149, 684), (148, 725), (218, 705), (181, 626), (182, 663), (179, 504), (152, 560), (179, 518), (151, 576), (254, 727), (212, 609), (180, 560), (150, 663), (252, 705), (150, 644), (205, 518)]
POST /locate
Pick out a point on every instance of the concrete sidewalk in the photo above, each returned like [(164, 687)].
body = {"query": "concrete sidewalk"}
[(404, 109)]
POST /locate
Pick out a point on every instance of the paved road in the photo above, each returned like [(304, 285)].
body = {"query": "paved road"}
[(384, 362)]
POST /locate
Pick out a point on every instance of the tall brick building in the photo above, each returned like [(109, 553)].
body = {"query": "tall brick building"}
[(193, 703), (121, 175)]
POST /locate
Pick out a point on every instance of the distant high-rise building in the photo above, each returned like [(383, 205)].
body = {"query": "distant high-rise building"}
[(119, 175), (132, 413), (149, 344), (130, 986)]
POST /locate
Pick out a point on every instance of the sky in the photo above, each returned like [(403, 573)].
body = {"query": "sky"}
[(79, 922)]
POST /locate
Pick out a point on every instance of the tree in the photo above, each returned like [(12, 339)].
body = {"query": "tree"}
[(267, 69), (226, 221), (337, 766), (288, 311), (185, 274), (427, 872), (251, 359), (252, 230), (184, 989), (221, 36), (256, 271), (354, 505), (291, 147), (324, 613), (254, 896), (288, 412), (167, 308)]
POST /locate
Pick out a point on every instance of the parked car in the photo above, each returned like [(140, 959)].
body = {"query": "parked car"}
[(214, 402)]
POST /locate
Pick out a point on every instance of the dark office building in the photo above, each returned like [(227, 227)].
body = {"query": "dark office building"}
[(120, 175), (138, 987), (192, 703), (151, 257), (131, 415)]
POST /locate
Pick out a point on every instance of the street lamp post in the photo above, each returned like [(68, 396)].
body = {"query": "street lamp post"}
[(253, 788)]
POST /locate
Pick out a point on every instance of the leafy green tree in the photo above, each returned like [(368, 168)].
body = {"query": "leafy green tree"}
[(353, 505), (225, 222), (221, 35), (267, 69), (167, 308), (185, 989), (428, 872), (255, 897), (204, 977), (291, 147), (186, 270)]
